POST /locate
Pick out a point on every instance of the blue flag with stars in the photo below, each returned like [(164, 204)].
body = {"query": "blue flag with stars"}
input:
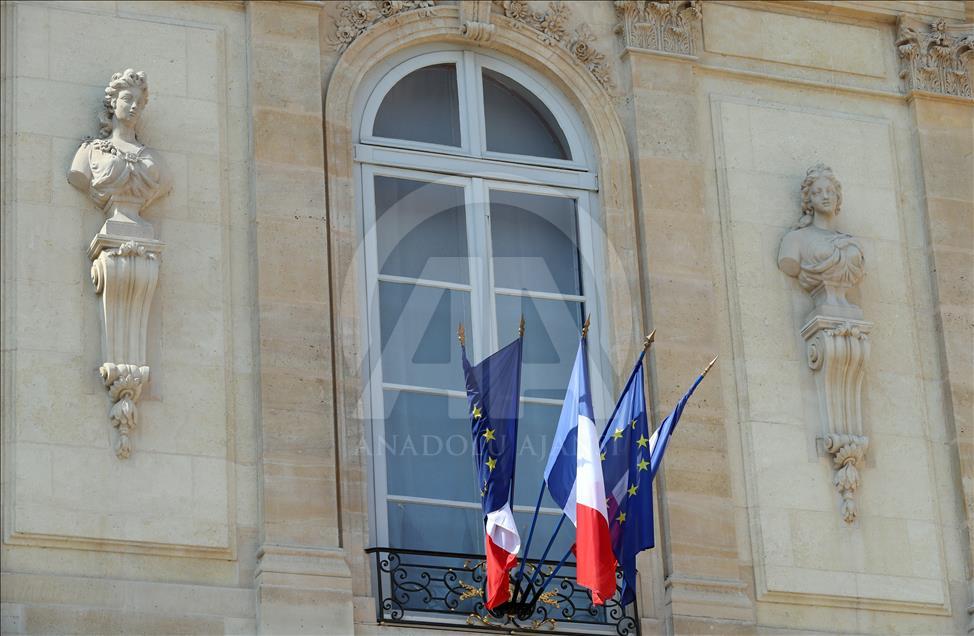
[(493, 389), (626, 456), (631, 458)]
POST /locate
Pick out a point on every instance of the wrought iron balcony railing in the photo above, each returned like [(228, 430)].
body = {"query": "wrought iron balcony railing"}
[(443, 589)]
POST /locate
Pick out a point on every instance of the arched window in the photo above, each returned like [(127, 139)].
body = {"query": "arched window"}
[(477, 193)]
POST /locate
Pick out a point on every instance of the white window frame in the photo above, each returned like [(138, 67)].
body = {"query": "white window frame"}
[(477, 170)]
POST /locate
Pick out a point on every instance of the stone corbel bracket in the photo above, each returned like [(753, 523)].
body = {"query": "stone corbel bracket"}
[(934, 57), (838, 350), (124, 272), (663, 27)]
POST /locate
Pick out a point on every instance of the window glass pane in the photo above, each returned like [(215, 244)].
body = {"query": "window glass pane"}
[(427, 447), (518, 122), (542, 534), (534, 239), (552, 329), (421, 229), (422, 106), (428, 527), (536, 428), (418, 342)]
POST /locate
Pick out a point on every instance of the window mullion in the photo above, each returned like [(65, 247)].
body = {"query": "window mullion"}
[(487, 269), (479, 320), (473, 96)]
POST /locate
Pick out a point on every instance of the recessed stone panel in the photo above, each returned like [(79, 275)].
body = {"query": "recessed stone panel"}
[(804, 552)]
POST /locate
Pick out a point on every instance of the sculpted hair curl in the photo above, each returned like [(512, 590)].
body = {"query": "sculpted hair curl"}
[(128, 78), (816, 172)]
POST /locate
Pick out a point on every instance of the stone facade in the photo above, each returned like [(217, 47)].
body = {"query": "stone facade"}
[(241, 504)]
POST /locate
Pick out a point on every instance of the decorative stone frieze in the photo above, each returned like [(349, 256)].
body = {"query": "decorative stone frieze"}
[(123, 177), (934, 57), (665, 27), (355, 17), (551, 27), (828, 265)]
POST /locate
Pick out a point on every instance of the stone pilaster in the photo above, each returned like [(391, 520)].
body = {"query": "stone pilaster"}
[(302, 578), (702, 568), (946, 148)]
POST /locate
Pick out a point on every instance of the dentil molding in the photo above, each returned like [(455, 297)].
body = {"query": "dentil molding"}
[(123, 177), (934, 56), (828, 265)]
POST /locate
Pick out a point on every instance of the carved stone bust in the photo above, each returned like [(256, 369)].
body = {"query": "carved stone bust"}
[(827, 263), (120, 174)]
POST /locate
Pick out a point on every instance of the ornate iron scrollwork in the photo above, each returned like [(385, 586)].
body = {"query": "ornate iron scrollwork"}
[(425, 587)]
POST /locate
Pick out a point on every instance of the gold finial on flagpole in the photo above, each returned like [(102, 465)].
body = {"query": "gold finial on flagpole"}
[(461, 336), (588, 321), (520, 328), (709, 366), (648, 341)]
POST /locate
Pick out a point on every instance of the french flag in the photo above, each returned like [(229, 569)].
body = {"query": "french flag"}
[(574, 478), (493, 394)]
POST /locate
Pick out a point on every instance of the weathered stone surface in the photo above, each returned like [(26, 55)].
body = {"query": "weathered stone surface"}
[(244, 506)]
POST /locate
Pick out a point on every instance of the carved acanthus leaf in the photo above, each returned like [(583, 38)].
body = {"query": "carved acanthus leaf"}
[(665, 26), (551, 26), (355, 17), (934, 56), (848, 453)]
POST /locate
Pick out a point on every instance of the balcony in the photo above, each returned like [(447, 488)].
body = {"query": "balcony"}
[(443, 589)]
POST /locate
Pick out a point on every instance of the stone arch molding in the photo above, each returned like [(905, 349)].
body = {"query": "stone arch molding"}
[(553, 25), (372, 45)]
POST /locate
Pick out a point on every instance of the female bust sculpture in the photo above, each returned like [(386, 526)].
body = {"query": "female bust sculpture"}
[(121, 175), (826, 262)]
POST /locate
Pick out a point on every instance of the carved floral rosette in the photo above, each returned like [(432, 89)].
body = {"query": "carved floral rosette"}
[(124, 273), (838, 350), (665, 26), (934, 57), (551, 27)]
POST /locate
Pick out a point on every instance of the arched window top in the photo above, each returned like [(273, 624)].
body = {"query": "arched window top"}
[(472, 104)]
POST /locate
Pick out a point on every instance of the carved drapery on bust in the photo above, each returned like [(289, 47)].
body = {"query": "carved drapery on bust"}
[(665, 26), (828, 265), (935, 57), (123, 177)]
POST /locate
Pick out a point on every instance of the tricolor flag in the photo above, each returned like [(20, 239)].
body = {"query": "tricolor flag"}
[(493, 389), (574, 478)]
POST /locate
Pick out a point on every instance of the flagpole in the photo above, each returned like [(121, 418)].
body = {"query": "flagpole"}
[(647, 344)]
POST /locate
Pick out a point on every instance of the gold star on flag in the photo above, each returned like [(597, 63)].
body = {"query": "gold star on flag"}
[(491, 462), (621, 518), (489, 434), (643, 464), (602, 456), (634, 424), (477, 413), (617, 434), (642, 441), (632, 490)]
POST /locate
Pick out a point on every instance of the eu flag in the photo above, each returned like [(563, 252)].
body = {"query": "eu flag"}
[(493, 389), (630, 459), (626, 456)]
